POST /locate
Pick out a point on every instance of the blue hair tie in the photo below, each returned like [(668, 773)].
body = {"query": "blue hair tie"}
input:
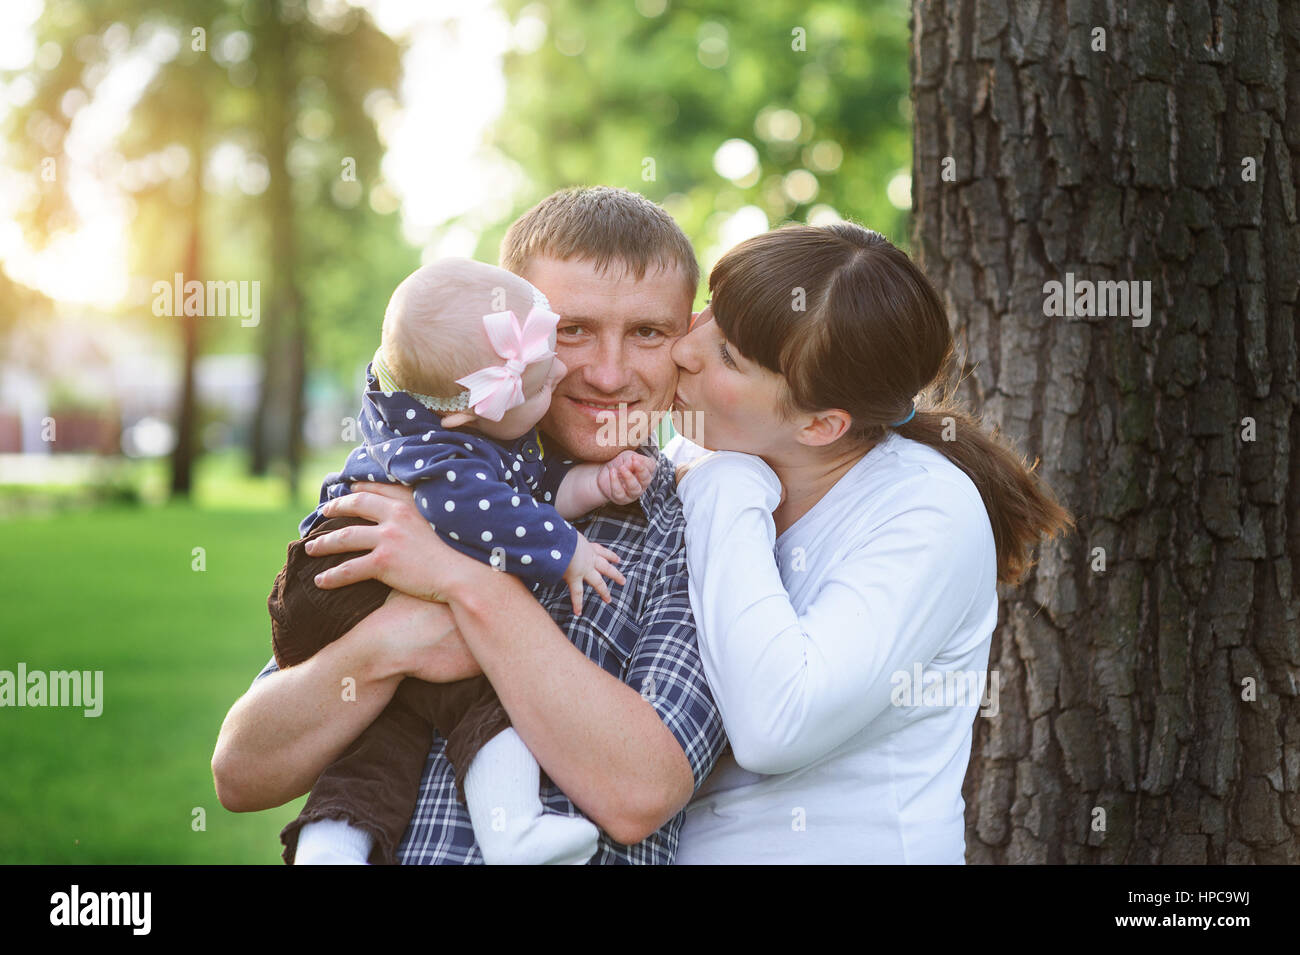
[(902, 421)]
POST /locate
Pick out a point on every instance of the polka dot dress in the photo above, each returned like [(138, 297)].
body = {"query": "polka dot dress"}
[(491, 501)]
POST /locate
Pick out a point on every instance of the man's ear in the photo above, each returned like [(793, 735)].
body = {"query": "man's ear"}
[(457, 419), (824, 427)]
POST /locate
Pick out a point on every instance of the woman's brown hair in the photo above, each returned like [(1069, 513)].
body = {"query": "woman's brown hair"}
[(851, 323)]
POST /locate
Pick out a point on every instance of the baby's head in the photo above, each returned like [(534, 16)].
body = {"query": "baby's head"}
[(434, 334)]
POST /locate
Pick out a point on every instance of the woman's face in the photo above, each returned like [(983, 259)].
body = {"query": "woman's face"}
[(738, 401)]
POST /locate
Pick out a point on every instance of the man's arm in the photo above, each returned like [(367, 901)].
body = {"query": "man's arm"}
[(290, 725), (628, 762), (597, 738)]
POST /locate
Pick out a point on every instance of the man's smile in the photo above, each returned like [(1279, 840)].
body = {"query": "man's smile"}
[(594, 407)]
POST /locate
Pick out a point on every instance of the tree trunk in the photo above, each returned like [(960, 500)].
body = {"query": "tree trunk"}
[(277, 420), (185, 452), (1150, 666), (267, 424), (284, 248)]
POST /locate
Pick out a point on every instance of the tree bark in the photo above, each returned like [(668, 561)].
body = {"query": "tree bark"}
[(1149, 710)]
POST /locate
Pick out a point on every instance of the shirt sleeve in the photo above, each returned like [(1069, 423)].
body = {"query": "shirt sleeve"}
[(554, 471), (271, 667), (681, 450), (480, 515), (666, 669), (793, 686)]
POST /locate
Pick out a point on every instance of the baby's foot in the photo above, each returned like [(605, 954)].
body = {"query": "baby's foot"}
[(548, 839), (332, 842), (510, 824)]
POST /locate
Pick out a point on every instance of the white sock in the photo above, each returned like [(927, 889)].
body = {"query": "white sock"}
[(512, 828), (332, 842)]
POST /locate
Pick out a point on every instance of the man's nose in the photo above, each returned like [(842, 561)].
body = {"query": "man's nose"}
[(607, 371), (683, 352)]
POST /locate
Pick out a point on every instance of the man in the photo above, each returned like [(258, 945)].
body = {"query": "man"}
[(614, 703)]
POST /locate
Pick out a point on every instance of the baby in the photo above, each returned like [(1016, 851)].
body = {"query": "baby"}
[(491, 491)]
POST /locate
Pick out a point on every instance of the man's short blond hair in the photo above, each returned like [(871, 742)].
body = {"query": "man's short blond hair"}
[(605, 225)]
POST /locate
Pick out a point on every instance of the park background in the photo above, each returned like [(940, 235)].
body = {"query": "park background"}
[(153, 468), (324, 149)]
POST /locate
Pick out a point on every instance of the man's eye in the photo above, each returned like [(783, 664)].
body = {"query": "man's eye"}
[(647, 328), (569, 329)]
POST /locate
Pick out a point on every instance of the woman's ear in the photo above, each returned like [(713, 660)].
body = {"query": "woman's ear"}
[(825, 427), (457, 419)]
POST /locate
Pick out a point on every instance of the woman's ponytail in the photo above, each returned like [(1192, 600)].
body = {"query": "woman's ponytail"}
[(1021, 507)]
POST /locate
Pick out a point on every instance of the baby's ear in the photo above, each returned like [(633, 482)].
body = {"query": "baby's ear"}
[(457, 419)]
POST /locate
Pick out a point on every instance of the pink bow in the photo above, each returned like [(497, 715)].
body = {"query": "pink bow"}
[(496, 389)]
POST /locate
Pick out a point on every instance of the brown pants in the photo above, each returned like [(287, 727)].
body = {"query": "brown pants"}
[(374, 785)]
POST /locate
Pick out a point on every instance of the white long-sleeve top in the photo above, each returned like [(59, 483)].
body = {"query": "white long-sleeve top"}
[(847, 657)]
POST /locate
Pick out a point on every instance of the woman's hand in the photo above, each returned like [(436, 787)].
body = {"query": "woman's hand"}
[(405, 552)]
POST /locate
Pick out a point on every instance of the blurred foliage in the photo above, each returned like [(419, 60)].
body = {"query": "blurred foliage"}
[(227, 99), (615, 84), (636, 93), (18, 301)]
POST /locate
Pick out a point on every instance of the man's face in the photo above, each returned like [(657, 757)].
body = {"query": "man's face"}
[(615, 337)]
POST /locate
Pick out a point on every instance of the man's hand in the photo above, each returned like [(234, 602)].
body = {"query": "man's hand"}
[(405, 552), (281, 734), (425, 641), (625, 478)]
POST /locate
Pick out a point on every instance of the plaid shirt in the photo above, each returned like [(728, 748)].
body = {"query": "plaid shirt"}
[(645, 637)]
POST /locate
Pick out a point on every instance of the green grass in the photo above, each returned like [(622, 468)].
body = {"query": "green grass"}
[(114, 590)]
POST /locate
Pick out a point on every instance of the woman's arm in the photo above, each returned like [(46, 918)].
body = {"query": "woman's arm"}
[(792, 687), (603, 744)]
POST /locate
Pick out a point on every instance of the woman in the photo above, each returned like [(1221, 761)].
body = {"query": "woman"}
[(844, 548)]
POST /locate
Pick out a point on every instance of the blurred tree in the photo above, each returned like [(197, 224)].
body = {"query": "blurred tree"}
[(162, 150), (645, 95), (1148, 703), (18, 301), (248, 137), (318, 133), (169, 141)]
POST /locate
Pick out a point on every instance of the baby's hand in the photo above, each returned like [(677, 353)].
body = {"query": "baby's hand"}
[(625, 478), (588, 563)]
